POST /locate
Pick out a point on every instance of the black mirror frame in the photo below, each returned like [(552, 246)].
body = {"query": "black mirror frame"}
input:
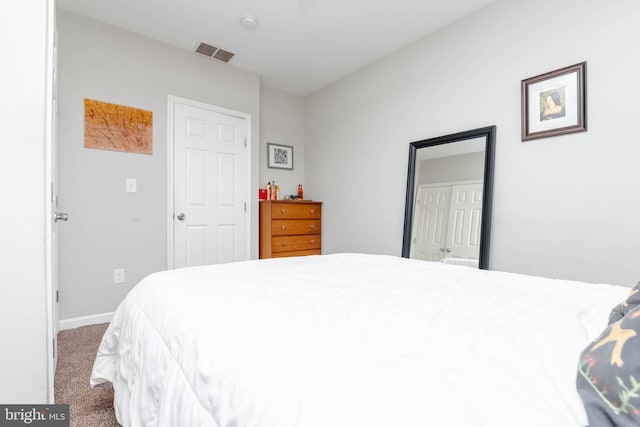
[(489, 133)]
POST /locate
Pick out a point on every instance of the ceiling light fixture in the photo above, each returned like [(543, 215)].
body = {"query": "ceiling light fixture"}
[(249, 22)]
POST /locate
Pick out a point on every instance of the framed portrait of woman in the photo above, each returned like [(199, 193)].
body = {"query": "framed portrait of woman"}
[(554, 103)]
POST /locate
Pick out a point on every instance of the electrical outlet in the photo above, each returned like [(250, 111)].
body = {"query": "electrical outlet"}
[(118, 275)]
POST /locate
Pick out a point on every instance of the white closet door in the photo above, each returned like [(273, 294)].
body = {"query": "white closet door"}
[(430, 223), (465, 219)]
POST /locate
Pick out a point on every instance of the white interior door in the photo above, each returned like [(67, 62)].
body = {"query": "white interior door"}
[(210, 224), (52, 247), (465, 220), (58, 216), (431, 216)]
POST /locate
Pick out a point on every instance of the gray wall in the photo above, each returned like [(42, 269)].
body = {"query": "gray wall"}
[(282, 122), (463, 167), (565, 207), (23, 275), (109, 228)]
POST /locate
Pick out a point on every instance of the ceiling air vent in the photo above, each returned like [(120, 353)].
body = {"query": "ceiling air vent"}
[(213, 52), (206, 49), (223, 55)]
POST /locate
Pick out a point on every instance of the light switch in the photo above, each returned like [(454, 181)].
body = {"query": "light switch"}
[(131, 185)]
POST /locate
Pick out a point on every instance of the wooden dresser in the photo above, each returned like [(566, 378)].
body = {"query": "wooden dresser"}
[(290, 228)]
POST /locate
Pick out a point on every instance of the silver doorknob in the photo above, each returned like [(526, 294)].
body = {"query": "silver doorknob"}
[(181, 216), (60, 216), (448, 249), (441, 249)]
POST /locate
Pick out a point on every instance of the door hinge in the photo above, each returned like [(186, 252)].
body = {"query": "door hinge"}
[(245, 206), (53, 344), (245, 141), (57, 296)]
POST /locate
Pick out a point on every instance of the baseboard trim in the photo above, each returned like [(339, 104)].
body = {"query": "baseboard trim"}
[(94, 319)]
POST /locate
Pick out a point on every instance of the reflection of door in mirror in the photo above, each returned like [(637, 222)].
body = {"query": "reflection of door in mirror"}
[(446, 222), (465, 217), (448, 208), (430, 220)]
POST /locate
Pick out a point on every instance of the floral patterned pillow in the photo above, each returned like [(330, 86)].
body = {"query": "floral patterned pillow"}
[(609, 370), (621, 310)]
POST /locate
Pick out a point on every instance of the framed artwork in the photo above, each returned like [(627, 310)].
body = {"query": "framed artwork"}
[(117, 127), (279, 156), (554, 103)]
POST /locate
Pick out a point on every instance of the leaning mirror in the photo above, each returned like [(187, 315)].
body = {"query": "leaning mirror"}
[(448, 205)]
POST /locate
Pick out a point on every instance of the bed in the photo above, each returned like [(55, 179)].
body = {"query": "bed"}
[(349, 340)]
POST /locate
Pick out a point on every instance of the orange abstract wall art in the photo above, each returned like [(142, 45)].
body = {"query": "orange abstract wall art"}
[(117, 127)]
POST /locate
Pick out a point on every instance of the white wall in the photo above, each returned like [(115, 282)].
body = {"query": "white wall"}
[(23, 276), (109, 228), (565, 207), (282, 122)]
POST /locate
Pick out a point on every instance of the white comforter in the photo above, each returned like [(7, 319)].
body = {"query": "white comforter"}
[(350, 340)]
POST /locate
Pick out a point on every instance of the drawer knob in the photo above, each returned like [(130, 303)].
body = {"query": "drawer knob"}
[(312, 211), (283, 211), (283, 227), (312, 241), (283, 244), (312, 227)]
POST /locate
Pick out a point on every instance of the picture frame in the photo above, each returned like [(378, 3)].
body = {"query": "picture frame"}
[(279, 156), (554, 103)]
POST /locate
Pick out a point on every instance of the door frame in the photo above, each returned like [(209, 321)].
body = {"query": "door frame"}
[(171, 102)]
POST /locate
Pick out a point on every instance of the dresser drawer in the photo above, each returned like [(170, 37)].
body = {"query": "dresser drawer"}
[(296, 253), (295, 210), (295, 243), (288, 227)]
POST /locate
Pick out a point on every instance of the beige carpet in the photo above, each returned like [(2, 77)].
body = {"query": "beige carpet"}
[(88, 407)]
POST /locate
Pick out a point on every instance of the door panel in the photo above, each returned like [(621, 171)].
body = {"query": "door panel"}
[(227, 242), (227, 175), (196, 177)]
